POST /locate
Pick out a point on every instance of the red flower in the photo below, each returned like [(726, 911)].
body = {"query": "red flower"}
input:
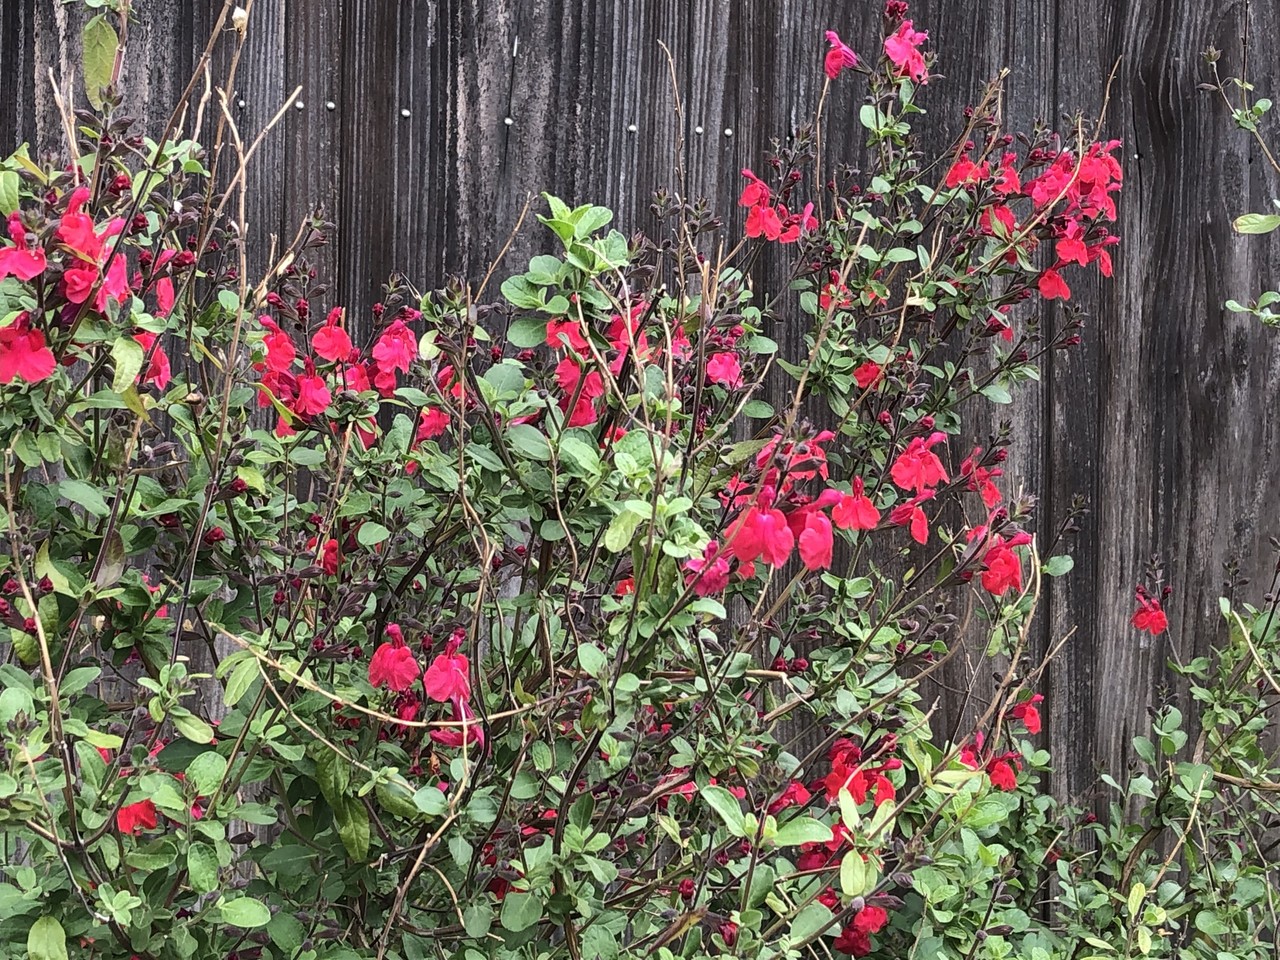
[(855, 938), (19, 260), (136, 817), (1149, 616), (393, 665), (902, 49), (329, 557), (964, 171), (23, 353), (280, 349), (815, 541), (313, 394), (763, 221), (707, 574), (1028, 713), (448, 676), (158, 371), (918, 467), (724, 368), (868, 375), (1071, 247), (855, 511), (164, 297), (839, 57), (394, 351), (1003, 567), (756, 191), (795, 795), (981, 478), (75, 230), (1002, 776), (910, 514), (331, 342), (560, 332), (1007, 176), (432, 422), (761, 532)]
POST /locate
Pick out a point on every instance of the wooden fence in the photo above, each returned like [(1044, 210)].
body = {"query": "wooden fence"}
[(422, 127)]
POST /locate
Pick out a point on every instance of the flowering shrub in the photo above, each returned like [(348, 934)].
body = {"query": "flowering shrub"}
[(493, 634)]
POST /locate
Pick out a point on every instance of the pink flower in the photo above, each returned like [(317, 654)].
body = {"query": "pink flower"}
[(706, 574), (912, 515), (918, 467), (164, 297), (448, 677), (76, 228), (1149, 616), (724, 369), (136, 817), (1003, 567), (756, 191), (393, 665), (158, 371), (19, 260), (902, 49), (24, 355), (331, 342), (839, 57)]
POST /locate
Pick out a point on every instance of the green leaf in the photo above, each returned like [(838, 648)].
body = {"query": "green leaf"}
[(46, 940), (726, 805), (371, 534), (193, 728), (527, 332), (127, 355), (529, 441), (477, 919), (206, 771), (287, 933), (811, 920), (240, 681), (9, 183), (202, 865), (621, 530), (84, 495), (246, 913), (1059, 565), (100, 46), (802, 830), (520, 911), (853, 874), (591, 659), (1255, 223), (1136, 896), (352, 820)]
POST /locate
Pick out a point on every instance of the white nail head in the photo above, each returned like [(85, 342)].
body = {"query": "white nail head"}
[(508, 121), (240, 104), (698, 130), (728, 131), (404, 111), (330, 105), (299, 105), (632, 128)]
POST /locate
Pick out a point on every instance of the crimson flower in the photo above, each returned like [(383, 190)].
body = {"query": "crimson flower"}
[(25, 263), (868, 375), (761, 532), (815, 540), (855, 938), (75, 230), (566, 332), (394, 665), (313, 393), (912, 515), (981, 479), (24, 354), (839, 58), (448, 676), (724, 369), (1052, 286), (755, 193), (331, 342), (1028, 712), (279, 345), (431, 423), (329, 557), (1149, 616), (918, 467), (394, 351), (158, 371), (707, 574), (164, 297), (964, 172), (795, 795), (855, 511), (1003, 567), (136, 817), (902, 49)]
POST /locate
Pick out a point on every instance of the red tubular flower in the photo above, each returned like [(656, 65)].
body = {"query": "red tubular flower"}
[(839, 58), (279, 345), (868, 375), (25, 263), (330, 557), (1027, 712), (136, 817), (706, 574), (448, 676), (313, 393), (432, 422), (1002, 775), (724, 369), (761, 532), (158, 371), (763, 221), (918, 467), (964, 172), (855, 511), (902, 49), (1003, 567), (795, 795), (394, 665), (756, 191), (394, 351), (1052, 286), (24, 355), (331, 342), (566, 332), (1150, 616), (911, 515), (981, 479), (815, 541), (1071, 248)]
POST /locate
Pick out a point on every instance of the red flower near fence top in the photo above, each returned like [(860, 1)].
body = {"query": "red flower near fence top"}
[(903, 50), (839, 58), (1150, 616)]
